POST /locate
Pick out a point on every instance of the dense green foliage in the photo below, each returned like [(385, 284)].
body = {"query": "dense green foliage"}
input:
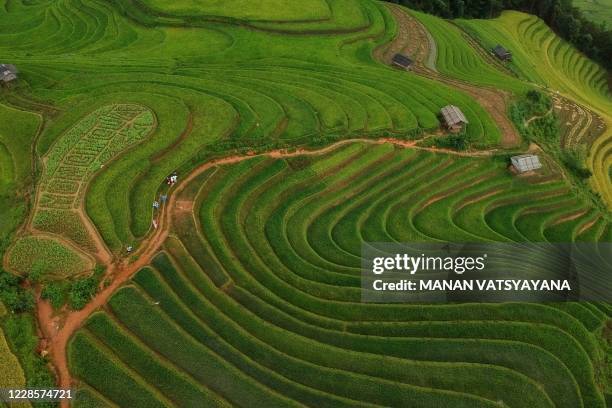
[(76, 293), (533, 117), (458, 142), (256, 301), (21, 335), (12, 295), (575, 160), (82, 290)]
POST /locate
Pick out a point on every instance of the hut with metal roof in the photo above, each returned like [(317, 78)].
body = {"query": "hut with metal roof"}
[(526, 162), (8, 73), (402, 61), (502, 53), (454, 119)]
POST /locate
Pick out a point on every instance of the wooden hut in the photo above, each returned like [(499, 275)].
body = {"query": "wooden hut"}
[(454, 119)]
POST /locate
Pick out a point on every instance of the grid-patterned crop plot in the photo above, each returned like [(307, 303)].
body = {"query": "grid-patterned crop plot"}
[(83, 150), (87, 147)]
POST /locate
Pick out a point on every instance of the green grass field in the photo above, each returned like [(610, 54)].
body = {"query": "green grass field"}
[(45, 258), (259, 295), (17, 131), (273, 10)]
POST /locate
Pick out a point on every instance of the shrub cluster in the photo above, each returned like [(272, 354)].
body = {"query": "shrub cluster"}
[(574, 160), (13, 295), (456, 142), (545, 128), (76, 293)]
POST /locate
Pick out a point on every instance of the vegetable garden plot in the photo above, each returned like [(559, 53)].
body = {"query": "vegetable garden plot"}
[(76, 156), (44, 258)]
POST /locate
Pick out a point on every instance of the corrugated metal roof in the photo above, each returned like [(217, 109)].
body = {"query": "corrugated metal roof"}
[(526, 162), (402, 60), (500, 51), (453, 115), (9, 67), (8, 77), (8, 72)]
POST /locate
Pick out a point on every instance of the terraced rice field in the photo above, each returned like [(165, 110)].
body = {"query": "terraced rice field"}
[(17, 131), (599, 11), (461, 67), (255, 299), (458, 58), (78, 154), (271, 10), (246, 289), (95, 141), (543, 58), (211, 90)]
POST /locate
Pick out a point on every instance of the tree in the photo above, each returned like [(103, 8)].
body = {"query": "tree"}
[(569, 26), (15, 298)]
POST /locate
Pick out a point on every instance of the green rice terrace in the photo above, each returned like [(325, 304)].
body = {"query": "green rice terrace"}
[(293, 140), (599, 11)]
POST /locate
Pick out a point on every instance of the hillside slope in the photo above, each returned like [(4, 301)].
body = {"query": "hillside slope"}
[(543, 58), (293, 144)]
